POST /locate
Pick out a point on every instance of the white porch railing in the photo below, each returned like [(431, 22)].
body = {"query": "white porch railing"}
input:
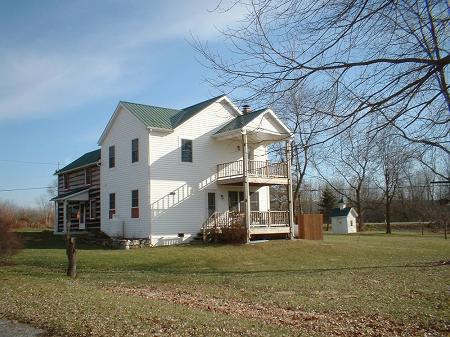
[(257, 219), (256, 168)]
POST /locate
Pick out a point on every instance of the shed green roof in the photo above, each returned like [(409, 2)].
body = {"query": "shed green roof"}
[(165, 118), (86, 159), (241, 121), (341, 212)]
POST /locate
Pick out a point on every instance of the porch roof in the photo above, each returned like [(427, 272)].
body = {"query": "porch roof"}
[(261, 125), (81, 194), (240, 121)]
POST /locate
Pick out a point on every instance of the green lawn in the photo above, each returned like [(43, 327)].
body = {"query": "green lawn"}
[(367, 284)]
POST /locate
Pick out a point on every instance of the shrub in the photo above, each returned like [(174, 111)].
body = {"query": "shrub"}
[(232, 230), (10, 243)]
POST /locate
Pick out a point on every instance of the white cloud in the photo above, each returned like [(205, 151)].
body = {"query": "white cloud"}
[(48, 75)]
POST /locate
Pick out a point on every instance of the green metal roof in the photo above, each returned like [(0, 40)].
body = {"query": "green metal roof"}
[(68, 194), (241, 121), (152, 116), (86, 159), (165, 118), (341, 212)]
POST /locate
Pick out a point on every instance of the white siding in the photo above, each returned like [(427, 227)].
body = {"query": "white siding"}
[(125, 177), (178, 190), (265, 123), (343, 224)]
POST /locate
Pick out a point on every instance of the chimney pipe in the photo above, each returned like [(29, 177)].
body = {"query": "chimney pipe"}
[(246, 108)]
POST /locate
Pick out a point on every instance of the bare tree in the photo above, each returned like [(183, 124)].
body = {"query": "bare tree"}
[(384, 59), (392, 158), (298, 108), (351, 161)]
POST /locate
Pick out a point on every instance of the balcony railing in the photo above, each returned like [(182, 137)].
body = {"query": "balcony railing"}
[(256, 168)]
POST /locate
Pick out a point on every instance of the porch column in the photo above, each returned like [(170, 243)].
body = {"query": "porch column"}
[(65, 216), (55, 224), (289, 187), (246, 185)]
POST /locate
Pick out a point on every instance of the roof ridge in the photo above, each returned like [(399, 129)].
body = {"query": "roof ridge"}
[(151, 106), (202, 102)]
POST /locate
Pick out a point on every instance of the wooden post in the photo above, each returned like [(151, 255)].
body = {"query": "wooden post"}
[(289, 176), (65, 216), (71, 251), (246, 185), (55, 225)]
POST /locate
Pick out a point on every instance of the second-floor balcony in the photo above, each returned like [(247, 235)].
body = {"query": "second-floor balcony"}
[(258, 172)]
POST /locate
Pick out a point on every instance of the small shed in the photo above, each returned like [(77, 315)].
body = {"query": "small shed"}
[(343, 219)]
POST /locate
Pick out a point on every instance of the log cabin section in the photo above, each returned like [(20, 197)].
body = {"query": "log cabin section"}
[(253, 129), (77, 205)]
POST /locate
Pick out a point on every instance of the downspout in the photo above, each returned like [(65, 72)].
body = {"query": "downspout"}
[(149, 205)]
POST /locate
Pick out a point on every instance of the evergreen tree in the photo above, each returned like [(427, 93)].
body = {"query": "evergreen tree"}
[(327, 202)]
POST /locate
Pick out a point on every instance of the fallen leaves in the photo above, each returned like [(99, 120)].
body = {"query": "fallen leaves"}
[(329, 324)]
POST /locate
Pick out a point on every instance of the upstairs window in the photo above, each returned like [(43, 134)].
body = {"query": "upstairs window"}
[(66, 181), (87, 176), (135, 203), (135, 150), (186, 150), (112, 156), (112, 205)]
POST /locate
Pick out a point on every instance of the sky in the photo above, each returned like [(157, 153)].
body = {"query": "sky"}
[(64, 66)]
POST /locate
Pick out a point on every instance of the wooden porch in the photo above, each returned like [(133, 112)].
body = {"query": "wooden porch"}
[(246, 172), (259, 172), (261, 222)]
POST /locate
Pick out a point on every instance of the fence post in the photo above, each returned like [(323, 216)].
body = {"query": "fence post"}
[(289, 176)]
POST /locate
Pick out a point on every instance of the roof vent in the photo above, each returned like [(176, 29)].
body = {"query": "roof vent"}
[(246, 109)]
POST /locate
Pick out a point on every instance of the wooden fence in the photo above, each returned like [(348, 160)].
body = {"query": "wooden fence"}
[(310, 226)]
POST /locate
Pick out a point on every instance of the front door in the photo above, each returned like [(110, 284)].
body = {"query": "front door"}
[(211, 203), (77, 215)]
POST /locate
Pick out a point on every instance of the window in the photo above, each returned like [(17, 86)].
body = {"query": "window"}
[(236, 201), (112, 156), (92, 209), (254, 201), (66, 181), (211, 203), (112, 205), (135, 204), (186, 150), (135, 150), (87, 176)]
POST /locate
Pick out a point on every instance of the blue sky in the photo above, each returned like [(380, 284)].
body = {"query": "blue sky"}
[(64, 65)]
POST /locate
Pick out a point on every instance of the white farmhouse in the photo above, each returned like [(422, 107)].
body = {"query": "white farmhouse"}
[(165, 172), (343, 219)]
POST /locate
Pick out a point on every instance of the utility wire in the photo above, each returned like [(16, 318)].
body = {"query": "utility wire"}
[(25, 189), (27, 162)]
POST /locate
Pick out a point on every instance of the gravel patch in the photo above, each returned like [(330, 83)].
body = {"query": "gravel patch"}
[(15, 329)]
